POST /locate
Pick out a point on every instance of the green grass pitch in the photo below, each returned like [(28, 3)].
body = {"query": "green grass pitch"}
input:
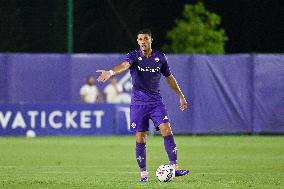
[(109, 162)]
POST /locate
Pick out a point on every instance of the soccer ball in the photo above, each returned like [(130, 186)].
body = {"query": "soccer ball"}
[(165, 173), (30, 134)]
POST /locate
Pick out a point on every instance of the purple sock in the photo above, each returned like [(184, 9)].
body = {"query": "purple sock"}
[(171, 148), (141, 155)]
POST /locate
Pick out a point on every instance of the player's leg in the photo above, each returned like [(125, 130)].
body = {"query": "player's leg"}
[(170, 147), (161, 121), (141, 137), (140, 124), (169, 142)]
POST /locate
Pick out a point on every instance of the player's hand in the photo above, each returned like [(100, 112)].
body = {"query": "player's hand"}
[(183, 104), (105, 75)]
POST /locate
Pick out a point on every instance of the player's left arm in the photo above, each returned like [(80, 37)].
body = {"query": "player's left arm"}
[(175, 87)]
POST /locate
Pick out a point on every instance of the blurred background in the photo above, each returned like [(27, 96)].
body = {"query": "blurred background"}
[(226, 55), (111, 25)]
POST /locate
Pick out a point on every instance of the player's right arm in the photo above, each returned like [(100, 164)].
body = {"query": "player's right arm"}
[(105, 75)]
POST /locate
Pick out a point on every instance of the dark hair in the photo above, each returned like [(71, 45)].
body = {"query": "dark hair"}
[(145, 31), (89, 77)]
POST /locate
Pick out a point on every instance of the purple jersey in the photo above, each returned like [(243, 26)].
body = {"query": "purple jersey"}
[(146, 74)]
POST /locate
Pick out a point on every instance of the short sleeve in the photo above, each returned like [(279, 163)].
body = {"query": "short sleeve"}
[(165, 69), (83, 90), (119, 87), (130, 57)]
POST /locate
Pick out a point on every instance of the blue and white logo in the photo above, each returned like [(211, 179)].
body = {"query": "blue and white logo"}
[(139, 58), (157, 59)]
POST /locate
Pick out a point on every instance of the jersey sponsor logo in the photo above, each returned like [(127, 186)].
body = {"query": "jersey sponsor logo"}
[(148, 69)]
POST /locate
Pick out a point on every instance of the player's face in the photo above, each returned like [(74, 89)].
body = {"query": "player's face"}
[(144, 41)]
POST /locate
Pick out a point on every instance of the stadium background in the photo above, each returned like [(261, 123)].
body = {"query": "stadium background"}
[(43, 65)]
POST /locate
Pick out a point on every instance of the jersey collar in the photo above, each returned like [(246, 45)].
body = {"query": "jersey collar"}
[(142, 55)]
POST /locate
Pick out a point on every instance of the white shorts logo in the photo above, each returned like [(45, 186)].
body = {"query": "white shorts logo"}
[(133, 125)]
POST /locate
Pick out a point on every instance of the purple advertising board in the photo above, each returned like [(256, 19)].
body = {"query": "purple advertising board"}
[(240, 93)]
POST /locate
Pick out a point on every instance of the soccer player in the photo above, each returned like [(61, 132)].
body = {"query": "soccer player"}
[(146, 67)]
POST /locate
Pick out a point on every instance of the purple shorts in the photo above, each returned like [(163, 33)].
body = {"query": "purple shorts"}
[(140, 115)]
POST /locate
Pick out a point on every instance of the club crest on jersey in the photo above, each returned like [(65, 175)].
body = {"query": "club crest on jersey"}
[(139, 58), (157, 59)]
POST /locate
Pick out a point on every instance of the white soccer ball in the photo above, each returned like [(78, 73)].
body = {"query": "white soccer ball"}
[(30, 134), (165, 173)]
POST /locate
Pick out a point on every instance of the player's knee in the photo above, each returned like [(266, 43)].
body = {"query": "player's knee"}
[(165, 129), (141, 137)]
